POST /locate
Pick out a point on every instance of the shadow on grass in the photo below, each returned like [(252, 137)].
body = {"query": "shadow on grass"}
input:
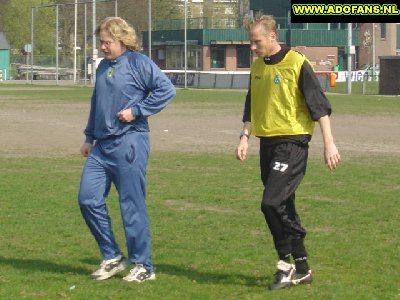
[(42, 265), (208, 277), (172, 270)]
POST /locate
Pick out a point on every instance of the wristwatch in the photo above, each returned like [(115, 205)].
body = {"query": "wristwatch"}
[(244, 134)]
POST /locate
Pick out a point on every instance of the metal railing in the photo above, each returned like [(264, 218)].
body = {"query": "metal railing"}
[(198, 23)]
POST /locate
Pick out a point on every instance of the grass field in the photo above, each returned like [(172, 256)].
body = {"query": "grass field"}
[(357, 88), (209, 237)]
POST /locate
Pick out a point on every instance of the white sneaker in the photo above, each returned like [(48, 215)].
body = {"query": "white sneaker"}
[(302, 278), (283, 276), (110, 267), (139, 274)]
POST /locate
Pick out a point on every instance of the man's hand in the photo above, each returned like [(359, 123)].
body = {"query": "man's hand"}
[(332, 156), (241, 149), (85, 149), (126, 115)]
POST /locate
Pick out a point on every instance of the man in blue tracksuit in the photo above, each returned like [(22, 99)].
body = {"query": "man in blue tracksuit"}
[(129, 88)]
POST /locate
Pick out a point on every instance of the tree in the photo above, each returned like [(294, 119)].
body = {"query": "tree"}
[(165, 10), (16, 23), (15, 20), (3, 4), (135, 12)]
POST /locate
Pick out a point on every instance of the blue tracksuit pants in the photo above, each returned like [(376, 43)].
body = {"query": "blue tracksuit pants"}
[(120, 160)]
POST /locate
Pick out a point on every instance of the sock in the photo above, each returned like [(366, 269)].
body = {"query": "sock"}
[(285, 257), (300, 256), (301, 265)]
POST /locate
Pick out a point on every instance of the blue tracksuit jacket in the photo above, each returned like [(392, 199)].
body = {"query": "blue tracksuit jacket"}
[(122, 83)]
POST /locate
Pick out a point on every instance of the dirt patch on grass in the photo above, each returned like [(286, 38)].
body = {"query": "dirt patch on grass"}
[(47, 129), (185, 206), (178, 129)]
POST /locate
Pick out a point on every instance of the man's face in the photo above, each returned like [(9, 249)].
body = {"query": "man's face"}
[(263, 43), (110, 47)]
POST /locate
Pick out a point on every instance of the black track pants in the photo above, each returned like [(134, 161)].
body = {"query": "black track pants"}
[(283, 166)]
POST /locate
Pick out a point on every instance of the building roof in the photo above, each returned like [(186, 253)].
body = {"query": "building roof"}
[(4, 45), (293, 37)]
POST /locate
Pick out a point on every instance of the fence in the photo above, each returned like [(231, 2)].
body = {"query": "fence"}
[(364, 84), (223, 79), (363, 81), (210, 80)]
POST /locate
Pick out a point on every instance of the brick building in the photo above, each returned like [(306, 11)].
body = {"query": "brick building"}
[(216, 43), (376, 40)]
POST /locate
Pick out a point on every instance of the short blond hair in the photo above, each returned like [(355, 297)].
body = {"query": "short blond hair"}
[(267, 22), (119, 30)]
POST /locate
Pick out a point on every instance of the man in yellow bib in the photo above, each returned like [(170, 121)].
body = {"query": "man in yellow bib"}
[(282, 105)]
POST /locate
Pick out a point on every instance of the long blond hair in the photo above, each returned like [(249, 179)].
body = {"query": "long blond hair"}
[(119, 30)]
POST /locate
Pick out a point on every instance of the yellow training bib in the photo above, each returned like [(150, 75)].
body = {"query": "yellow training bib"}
[(278, 107)]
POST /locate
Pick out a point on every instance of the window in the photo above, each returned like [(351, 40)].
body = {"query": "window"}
[(161, 54), (230, 23), (243, 56), (383, 31), (229, 11), (217, 57), (194, 57), (176, 57), (338, 26)]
